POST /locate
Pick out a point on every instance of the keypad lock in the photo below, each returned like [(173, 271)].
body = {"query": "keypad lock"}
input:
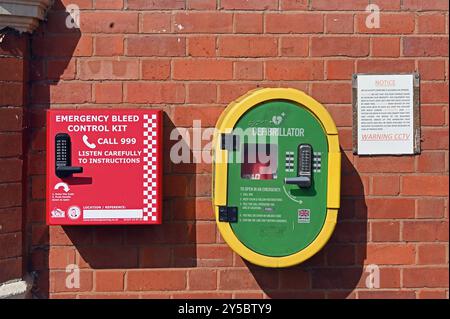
[(304, 167), (63, 157)]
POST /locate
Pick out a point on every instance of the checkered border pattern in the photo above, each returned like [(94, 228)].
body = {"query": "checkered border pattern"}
[(150, 167)]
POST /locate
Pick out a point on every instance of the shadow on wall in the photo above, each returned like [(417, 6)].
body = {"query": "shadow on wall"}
[(54, 48), (169, 245), (338, 268)]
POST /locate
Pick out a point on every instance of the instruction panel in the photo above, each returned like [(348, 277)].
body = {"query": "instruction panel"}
[(104, 166), (385, 114)]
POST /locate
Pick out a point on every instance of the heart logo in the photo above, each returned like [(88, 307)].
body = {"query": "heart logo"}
[(277, 120)]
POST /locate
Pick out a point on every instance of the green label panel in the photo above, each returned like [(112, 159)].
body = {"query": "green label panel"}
[(277, 219)]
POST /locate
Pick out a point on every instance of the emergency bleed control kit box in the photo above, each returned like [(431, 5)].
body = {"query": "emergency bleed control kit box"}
[(104, 166)]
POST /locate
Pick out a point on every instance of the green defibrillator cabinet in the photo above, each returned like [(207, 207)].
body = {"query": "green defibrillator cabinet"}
[(276, 176)]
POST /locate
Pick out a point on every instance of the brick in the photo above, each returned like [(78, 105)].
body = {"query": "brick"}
[(385, 66), (12, 118), (294, 4), (155, 256), (247, 46), (335, 278), (108, 4), (332, 92), (432, 254), (294, 70), (248, 23), (154, 92), (178, 186), (38, 140), (10, 220), (231, 91), (58, 279), (432, 69), (231, 279), (155, 5), (340, 69), (109, 280), (385, 185), (201, 93), (340, 46), (109, 22), (108, 92), (294, 23), (425, 46), (38, 187), (156, 22), (389, 5), (12, 69), (385, 231), (109, 69), (339, 5), (297, 46), (109, 45), (60, 236), (203, 22), (63, 69), (141, 280), (433, 294), (295, 278), (10, 170), (434, 92), (155, 69), (390, 23), (390, 254), (10, 269), (214, 256), (248, 70), (425, 231), (345, 141), (341, 114), (390, 207), (431, 23), (249, 5), (423, 5), (107, 257), (430, 208), (155, 46), (435, 139), (386, 294), (62, 45), (386, 164), (341, 255), (10, 144), (201, 4), (201, 184), (61, 257), (202, 279), (431, 162), (386, 47), (11, 245), (67, 92), (425, 185), (339, 23), (202, 69), (204, 46), (11, 94), (425, 277)]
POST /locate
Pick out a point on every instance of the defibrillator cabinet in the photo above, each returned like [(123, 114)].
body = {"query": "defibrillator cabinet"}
[(276, 176)]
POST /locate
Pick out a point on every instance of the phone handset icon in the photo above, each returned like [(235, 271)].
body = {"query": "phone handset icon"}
[(86, 142)]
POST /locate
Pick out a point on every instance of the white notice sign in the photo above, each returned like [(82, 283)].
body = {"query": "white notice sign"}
[(385, 114)]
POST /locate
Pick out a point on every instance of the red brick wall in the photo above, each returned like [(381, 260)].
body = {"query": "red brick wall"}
[(193, 57), (13, 92)]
